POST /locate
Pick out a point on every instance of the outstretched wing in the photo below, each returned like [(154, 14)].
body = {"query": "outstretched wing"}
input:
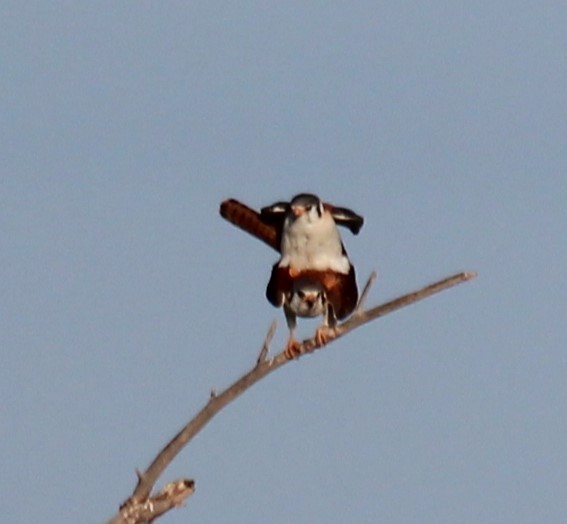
[(346, 217), (252, 222)]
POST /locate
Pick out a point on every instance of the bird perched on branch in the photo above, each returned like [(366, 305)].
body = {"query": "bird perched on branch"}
[(314, 275)]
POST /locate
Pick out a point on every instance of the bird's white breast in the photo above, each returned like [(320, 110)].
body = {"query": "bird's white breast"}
[(313, 245)]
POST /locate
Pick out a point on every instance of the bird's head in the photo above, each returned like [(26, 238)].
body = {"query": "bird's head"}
[(307, 298), (306, 207)]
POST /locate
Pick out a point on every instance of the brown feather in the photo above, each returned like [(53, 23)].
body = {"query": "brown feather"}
[(251, 221), (340, 288)]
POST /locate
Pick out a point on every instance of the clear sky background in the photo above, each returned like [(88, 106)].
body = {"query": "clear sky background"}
[(126, 298)]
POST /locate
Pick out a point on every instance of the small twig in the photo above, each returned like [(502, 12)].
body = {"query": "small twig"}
[(267, 341), (263, 367), (365, 291)]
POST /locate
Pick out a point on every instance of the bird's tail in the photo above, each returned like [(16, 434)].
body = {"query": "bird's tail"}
[(250, 221)]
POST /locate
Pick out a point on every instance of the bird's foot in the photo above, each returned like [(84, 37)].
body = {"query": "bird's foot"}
[(292, 349), (323, 334)]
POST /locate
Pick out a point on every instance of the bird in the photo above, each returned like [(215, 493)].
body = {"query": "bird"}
[(307, 298), (313, 275)]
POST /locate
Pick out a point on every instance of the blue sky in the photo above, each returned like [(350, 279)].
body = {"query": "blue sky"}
[(126, 298)]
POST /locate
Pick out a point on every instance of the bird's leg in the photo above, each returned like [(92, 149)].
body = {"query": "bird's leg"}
[(293, 347), (326, 330)]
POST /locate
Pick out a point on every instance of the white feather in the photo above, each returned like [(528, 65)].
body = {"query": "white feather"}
[(313, 242)]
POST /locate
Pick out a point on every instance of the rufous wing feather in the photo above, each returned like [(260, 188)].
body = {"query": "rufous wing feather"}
[(250, 221)]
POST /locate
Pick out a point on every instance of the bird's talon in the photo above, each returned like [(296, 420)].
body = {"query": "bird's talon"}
[(292, 349), (322, 335)]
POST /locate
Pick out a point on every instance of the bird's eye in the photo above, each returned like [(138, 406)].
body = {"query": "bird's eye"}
[(301, 294)]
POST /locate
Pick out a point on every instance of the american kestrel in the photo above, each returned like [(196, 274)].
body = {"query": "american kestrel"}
[(314, 275)]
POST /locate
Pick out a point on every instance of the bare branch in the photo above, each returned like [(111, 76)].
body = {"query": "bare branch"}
[(171, 496), (146, 480), (403, 301)]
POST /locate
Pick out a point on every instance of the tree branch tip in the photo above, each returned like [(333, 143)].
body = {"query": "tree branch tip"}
[(189, 483), (469, 275), (177, 489)]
